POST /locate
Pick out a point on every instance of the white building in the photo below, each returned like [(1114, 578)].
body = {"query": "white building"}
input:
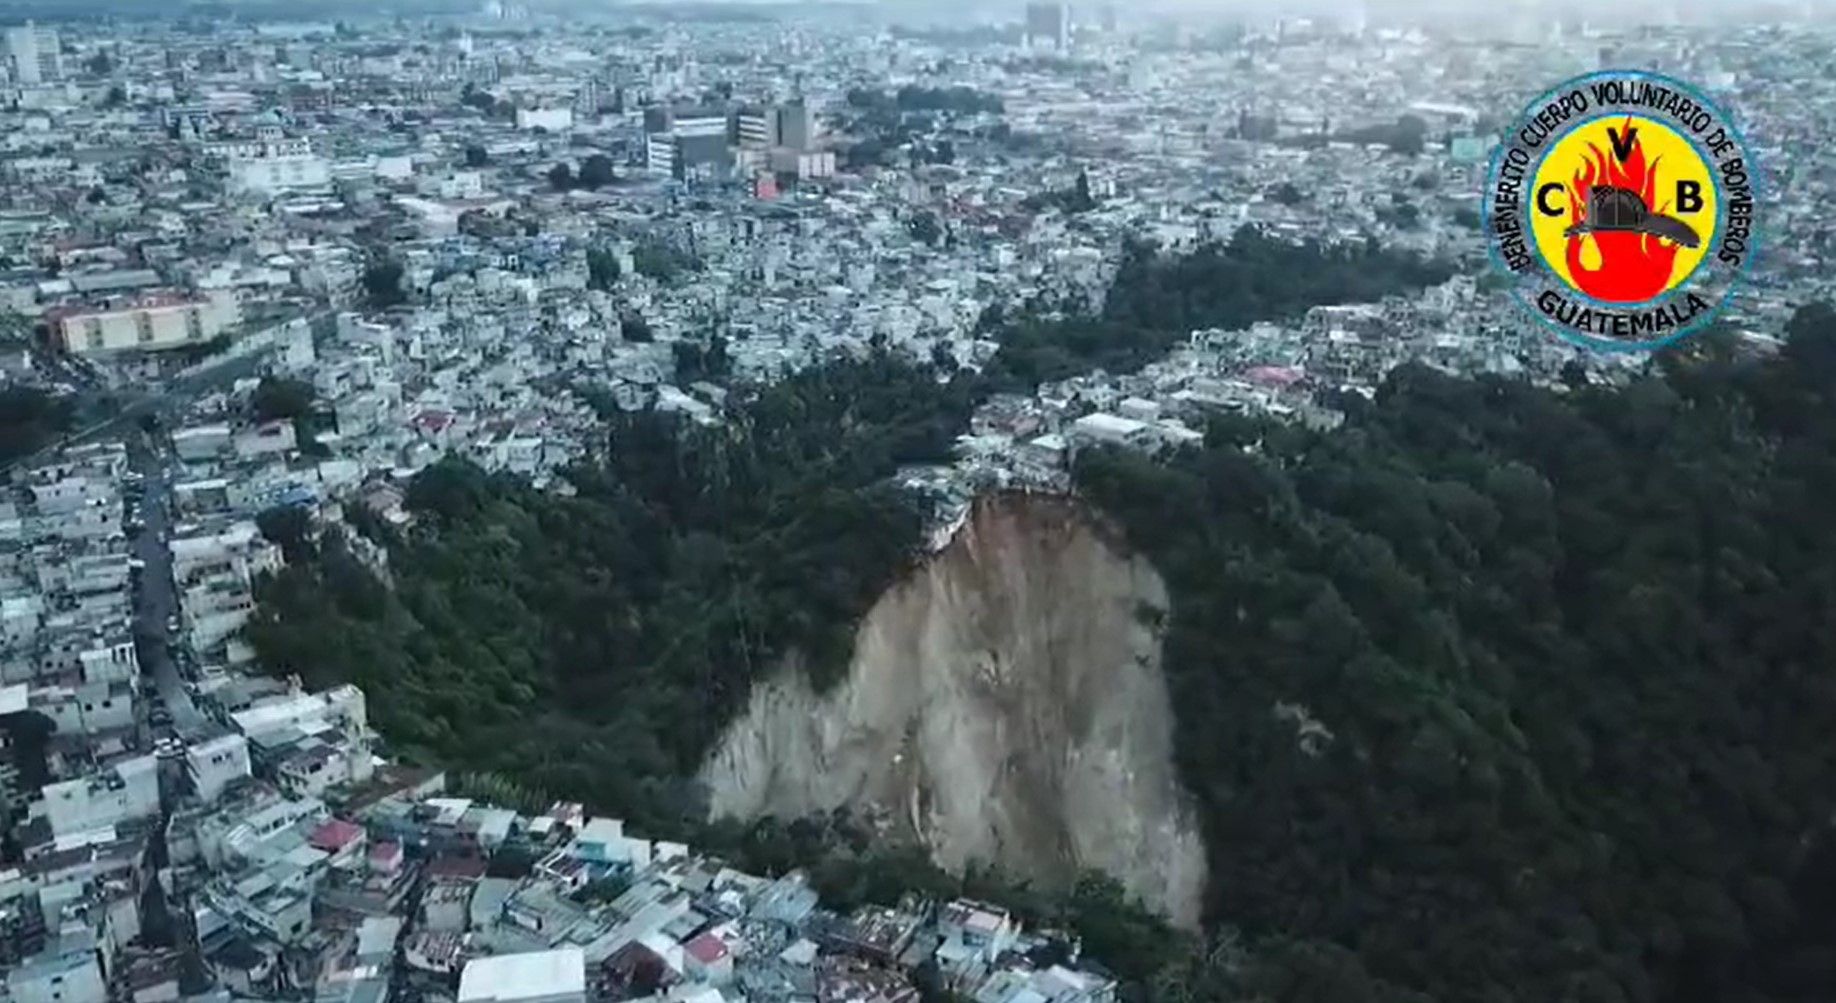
[(1110, 429), (340, 704), (270, 175), (34, 54), (237, 549), (552, 119), (557, 976), (152, 324), (805, 166), (128, 791), (58, 977), (214, 765)]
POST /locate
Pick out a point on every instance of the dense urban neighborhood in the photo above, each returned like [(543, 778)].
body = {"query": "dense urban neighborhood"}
[(283, 300)]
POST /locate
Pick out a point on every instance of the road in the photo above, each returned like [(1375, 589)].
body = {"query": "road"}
[(221, 372), (155, 597)]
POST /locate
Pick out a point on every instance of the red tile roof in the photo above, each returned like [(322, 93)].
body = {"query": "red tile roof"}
[(707, 949), (335, 834)]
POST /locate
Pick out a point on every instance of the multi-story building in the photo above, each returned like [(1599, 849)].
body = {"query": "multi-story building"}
[(60, 976), (684, 142), (268, 175), (1048, 24), (550, 119), (213, 765), (34, 54), (753, 127), (149, 324), (128, 791), (796, 125)]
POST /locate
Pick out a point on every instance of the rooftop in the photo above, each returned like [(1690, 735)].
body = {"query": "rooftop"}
[(536, 975)]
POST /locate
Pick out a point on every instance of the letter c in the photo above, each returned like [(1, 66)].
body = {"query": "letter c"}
[(1542, 199)]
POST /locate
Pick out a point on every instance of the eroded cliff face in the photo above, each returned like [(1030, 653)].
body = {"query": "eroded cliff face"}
[(1004, 704)]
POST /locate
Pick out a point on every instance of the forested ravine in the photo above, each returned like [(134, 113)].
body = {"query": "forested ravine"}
[(1494, 693), (1575, 657)]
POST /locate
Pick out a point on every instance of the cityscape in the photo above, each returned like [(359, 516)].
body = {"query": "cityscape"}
[(262, 277)]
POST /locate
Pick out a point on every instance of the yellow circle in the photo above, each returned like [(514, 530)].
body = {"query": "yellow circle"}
[(1603, 244)]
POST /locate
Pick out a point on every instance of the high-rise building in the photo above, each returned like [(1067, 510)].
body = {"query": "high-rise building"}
[(752, 127), (796, 123), (681, 141), (1048, 24), (34, 54)]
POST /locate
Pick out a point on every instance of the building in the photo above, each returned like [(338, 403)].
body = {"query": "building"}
[(58, 977), (271, 175), (557, 976), (148, 324), (804, 166), (128, 791), (213, 765), (795, 126), (549, 119), (680, 143), (34, 54), (754, 128), (1048, 24)]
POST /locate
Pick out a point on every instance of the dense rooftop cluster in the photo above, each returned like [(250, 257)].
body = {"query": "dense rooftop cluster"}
[(254, 280)]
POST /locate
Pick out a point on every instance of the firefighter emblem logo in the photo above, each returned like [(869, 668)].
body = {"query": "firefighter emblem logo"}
[(1621, 207)]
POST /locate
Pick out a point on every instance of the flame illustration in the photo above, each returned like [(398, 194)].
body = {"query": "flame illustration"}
[(1627, 267)]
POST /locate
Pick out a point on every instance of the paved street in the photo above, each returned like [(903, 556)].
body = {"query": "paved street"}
[(154, 598)]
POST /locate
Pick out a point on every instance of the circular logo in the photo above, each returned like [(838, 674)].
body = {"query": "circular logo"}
[(1621, 208)]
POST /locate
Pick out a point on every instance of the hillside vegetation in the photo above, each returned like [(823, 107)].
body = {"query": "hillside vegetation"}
[(1157, 300), (1573, 659), (594, 645), (1492, 694)]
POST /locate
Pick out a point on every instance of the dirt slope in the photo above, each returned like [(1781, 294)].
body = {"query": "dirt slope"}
[(1004, 704)]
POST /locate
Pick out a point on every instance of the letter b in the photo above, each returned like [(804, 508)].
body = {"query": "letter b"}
[(1689, 195)]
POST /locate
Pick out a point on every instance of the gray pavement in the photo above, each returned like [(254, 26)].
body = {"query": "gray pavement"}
[(155, 598)]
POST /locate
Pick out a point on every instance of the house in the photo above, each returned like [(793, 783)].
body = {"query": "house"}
[(343, 840), (557, 976), (446, 906), (708, 959), (57, 975)]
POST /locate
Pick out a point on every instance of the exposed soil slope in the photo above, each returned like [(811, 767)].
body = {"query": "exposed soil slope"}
[(1004, 704)]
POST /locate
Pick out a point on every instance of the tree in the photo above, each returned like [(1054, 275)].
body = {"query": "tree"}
[(279, 398), (561, 177), (475, 156), (596, 171), (382, 283), (30, 419), (602, 269), (99, 65), (697, 362), (1286, 194), (634, 328), (288, 527), (925, 227), (475, 98), (116, 97), (660, 260)]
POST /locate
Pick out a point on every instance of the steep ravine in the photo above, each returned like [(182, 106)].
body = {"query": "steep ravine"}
[(1004, 704)]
